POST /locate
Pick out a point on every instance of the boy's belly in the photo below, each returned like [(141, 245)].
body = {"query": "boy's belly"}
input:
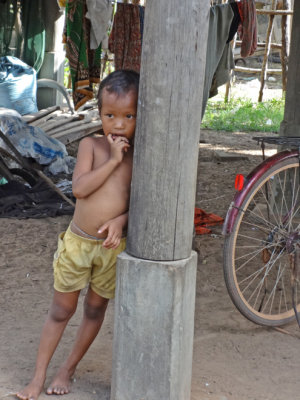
[(90, 214)]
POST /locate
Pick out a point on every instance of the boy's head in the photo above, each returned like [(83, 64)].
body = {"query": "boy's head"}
[(117, 102), (119, 82)]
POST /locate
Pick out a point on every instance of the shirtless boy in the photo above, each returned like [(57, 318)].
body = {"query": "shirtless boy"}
[(87, 251)]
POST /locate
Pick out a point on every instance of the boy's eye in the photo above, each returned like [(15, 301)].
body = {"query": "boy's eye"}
[(109, 115), (129, 116)]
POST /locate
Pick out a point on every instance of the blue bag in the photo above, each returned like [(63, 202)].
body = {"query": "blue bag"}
[(17, 85)]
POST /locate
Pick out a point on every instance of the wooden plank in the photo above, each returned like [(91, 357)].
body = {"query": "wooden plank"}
[(77, 127), (29, 118), (72, 127), (56, 122), (75, 136), (42, 120)]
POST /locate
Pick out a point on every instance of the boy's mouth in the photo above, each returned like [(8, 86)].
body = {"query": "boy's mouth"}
[(114, 137)]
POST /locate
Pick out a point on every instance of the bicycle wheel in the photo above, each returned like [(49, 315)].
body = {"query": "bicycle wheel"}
[(264, 246)]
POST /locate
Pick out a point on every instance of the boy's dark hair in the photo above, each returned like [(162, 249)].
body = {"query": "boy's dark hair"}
[(119, 82)]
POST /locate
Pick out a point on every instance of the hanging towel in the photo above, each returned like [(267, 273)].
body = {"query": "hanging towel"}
[(84, 62), (99, 13), (248, 28), (125, 38)]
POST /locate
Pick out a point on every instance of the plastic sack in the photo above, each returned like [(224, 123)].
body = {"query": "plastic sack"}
[(31, 141), (17, 85)]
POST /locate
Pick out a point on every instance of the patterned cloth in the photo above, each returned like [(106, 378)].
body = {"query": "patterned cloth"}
[(125, 37), (248, 27), (84, 63)]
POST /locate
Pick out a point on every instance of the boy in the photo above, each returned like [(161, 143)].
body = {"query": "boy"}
[(87, 251)]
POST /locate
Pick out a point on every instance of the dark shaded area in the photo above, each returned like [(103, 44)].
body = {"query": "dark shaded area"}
[(20, 201)]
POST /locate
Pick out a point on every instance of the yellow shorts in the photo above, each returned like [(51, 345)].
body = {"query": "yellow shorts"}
[(79, 261)]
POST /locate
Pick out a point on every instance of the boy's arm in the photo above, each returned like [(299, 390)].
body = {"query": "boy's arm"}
[(86, 180), (114, 228)]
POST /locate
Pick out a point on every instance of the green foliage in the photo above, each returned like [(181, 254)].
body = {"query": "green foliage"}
[(66, 74), (244, 115)]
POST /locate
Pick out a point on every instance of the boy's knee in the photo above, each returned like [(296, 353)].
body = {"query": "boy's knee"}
[(60, 313), (94, 311)]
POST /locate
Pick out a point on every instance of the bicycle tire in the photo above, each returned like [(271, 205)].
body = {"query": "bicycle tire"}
[(259, 249)]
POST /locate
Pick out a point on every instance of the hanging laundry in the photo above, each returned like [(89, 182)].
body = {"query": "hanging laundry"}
[(248, 28), (125, 38), (219, 57), (235, 21), (99, 13), (84, 62), (142, 17)]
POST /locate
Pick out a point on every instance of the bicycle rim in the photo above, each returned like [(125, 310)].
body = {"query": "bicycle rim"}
[(263, 248)]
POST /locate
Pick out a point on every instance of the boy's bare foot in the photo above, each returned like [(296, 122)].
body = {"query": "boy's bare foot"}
[(61, 383), (32, 391)]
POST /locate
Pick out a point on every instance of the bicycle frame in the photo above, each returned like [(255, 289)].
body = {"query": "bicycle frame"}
[(250, 180)]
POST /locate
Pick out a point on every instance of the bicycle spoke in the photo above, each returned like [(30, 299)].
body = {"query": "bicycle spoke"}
[(273, 293), (264, 234), (255, 253)]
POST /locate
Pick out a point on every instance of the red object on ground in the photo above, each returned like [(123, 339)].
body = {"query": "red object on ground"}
[(203, 220)]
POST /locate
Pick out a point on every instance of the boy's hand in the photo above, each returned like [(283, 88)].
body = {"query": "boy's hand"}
[(114, 233), (118, 147)]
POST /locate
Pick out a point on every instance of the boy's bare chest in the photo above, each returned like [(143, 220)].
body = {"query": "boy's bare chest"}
[(121, 174)]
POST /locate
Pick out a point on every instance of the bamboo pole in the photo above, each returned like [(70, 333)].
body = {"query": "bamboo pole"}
[(275, 12), (264, 70), (262, 44), (257, 70)]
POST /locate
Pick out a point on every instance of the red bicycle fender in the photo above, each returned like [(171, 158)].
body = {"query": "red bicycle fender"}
[(250, 180)]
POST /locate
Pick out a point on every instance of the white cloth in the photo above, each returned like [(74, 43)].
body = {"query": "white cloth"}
[(100, 14)]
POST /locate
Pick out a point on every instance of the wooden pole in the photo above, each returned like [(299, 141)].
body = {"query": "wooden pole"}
[(156, 276), (290, 125), (168, 130), (285, 29), (264, 70)]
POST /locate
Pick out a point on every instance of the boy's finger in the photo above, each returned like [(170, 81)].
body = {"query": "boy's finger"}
[(107, 241), (109, 138), (116, 244), (102, 228)]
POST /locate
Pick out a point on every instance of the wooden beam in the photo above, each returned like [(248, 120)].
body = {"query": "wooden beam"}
[(275, 12), (264, 69), (257, 70), (30, 118), (261, 44)]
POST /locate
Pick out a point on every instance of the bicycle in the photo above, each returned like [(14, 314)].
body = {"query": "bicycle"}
[(262, 238)]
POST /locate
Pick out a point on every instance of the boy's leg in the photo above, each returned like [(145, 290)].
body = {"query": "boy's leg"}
[(62, 308), (94, 311)]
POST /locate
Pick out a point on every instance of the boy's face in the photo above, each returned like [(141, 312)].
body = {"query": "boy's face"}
[(118, 114)]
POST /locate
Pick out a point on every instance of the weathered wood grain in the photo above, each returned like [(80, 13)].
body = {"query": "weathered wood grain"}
[(290, 125), (168, 129)]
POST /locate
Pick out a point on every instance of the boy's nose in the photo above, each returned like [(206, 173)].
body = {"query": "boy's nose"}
[(119, 123)]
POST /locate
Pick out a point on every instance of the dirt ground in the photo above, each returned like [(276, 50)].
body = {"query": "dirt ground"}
[(233, 358)]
